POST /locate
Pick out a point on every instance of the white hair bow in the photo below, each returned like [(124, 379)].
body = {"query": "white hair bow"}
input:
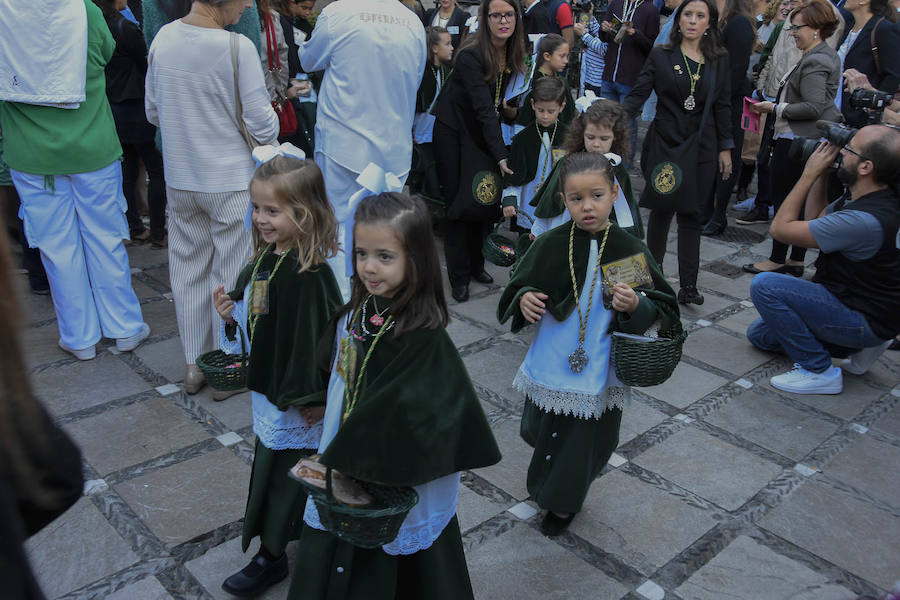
[(583, 103), (374, 180), (262, 154), (613, 158)]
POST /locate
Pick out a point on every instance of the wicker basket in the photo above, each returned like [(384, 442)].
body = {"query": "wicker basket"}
[(364, 526), (226, 372), (645, 363), (503, 250)]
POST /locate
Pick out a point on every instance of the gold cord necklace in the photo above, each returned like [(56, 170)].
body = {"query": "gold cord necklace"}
[(548, 148), (349, 405), (578, 360), (255, 318), (689, 102), (499, 85)]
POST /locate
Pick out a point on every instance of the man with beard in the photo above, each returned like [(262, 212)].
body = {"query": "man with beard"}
[(852, 305)]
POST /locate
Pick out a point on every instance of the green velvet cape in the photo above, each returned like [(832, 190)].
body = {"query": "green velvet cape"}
[(545, 268), (283, 363), (548, 201), (417, 417), (526, 113), (428, 88), (525, 152)]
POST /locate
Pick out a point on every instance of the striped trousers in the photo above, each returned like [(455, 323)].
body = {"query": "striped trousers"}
[(208, 246)]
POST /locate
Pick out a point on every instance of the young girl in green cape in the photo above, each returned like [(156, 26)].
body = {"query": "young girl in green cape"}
[(564, 283), (551, 59), (602, 128), (401, 411), (283, 301)]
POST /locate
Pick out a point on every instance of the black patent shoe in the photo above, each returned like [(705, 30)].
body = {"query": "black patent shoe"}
[(553, 525), (256, 577), (483, 277), (460, 293), (689, 295), (713, 229)]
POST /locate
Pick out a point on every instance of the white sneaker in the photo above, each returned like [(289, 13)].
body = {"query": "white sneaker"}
[(800, 381), (130, 343), (81, 354), (860, 362)]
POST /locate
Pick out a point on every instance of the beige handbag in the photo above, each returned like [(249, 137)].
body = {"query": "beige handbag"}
[(751, 142)]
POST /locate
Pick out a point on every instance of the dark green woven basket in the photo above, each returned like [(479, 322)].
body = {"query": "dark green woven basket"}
[(370, 526), (642, 364), (504, 250), (226, 372)]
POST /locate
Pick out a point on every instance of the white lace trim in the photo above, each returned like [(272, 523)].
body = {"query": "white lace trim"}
[(275, 437), (577, 404)]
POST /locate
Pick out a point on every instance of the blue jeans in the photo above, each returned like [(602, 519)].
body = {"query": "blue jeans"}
[(617, 92), (806, 321)]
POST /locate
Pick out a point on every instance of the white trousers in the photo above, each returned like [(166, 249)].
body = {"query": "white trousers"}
[(208, 245), (78, 223)]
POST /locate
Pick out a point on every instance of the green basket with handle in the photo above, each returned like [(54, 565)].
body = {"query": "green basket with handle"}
[(370, 526), (226, 372), (643, 363), (503, 250)]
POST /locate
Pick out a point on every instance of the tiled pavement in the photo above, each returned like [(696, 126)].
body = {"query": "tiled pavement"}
[(722, 487)]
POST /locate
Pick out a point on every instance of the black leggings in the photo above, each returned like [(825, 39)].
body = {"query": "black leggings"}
[(156, 197), (689, 227), (785, 173)]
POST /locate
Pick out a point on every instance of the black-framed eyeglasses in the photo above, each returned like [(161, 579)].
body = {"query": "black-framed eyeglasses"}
[(795, 27), (854, 152), (500, 17)]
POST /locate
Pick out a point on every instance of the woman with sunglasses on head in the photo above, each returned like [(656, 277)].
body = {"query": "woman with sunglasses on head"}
[(469, 150), (806, 96)]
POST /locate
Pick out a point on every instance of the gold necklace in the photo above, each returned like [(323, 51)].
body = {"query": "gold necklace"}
[(578, 360), (438, 75), (499, 85), (689, 102), (255, 318), (548, 148), (348, 406)]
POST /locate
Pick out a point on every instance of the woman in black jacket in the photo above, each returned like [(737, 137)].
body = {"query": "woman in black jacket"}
[(449, 16), (468, 147), (686, 74), (125, 74)]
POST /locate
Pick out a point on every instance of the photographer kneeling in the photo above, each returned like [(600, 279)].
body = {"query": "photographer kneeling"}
[(853, 301)]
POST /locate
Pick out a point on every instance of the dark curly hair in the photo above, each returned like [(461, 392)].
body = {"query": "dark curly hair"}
[(602, 112)]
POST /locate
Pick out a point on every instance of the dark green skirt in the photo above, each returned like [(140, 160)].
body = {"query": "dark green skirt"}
[(275, 503), (327, 568), (569, 453)]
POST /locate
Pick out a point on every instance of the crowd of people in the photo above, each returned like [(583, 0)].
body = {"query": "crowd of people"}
[(277, 145)]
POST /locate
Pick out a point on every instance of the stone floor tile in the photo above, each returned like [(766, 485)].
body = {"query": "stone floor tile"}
[(160, 316), (142, 290), (41, 345), (165, 357), (463, 333), (496, 367), (190, 498), (841, 529), (83, 384), (738, 288), (711, 250), (145, 589), (161, 274), (472, 508), (641, 524), (636, 419), (761, 417), (509, 474), (890, 422), (525, 565), (846, 405), (721, 350), (234, 412), (711, 304), (482, 310), (212, 568), (34, 308), (730, 475), (133, 434), (747, 570), (740, 321), (686, 385), (870, 466), (76, 549), (144, 255)]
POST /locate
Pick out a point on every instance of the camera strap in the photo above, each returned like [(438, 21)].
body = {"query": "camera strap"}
[(874, 45)]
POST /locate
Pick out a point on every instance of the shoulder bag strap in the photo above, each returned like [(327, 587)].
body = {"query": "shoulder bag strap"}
[(710, 96), (874, 44), (238, 105)]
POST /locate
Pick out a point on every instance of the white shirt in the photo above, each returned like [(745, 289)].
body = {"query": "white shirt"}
[(190, 96), (373, 53)]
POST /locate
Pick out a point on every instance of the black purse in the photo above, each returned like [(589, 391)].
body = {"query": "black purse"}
[(670, 171)]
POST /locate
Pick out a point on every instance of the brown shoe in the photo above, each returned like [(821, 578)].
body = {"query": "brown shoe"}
[(193, 379)]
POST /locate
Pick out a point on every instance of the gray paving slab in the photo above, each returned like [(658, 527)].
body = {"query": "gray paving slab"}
[(145, 589), (747, 570), (870, 466), (686, 385), (219, 562), (509, 474), (740, 321), (890, 422), (842, 529), (639, 523), (76, 549), (41, 345), (738, 288), (165, 357), (234, 412), (83, 384), (133, 434), (723, 351), (472, 508), (190, 498), (464, 333), (857, 395), (495, 368), (638, 418), (763, 418), (524, 565), (160, 316), (483, 310), (739, 474), (711, 304)]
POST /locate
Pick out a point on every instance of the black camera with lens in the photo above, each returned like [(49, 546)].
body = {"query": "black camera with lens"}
[(839, 135), (872, 101)]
